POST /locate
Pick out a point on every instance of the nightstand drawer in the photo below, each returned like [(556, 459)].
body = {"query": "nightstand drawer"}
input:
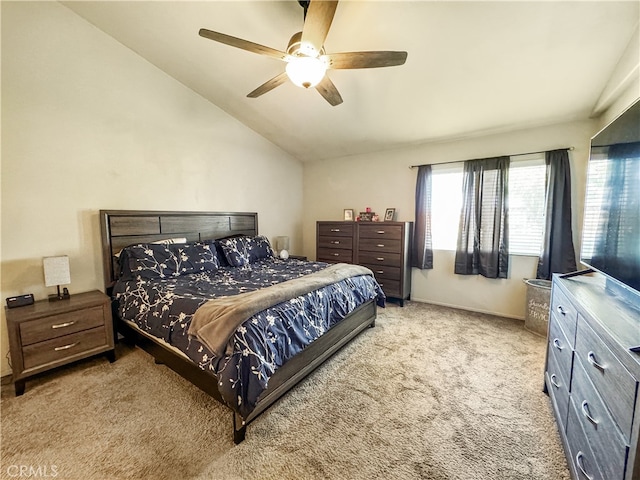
[(63, 347), (55, 326)]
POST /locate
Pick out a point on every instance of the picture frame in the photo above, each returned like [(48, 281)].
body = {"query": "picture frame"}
[(348, 214), (389, 213)]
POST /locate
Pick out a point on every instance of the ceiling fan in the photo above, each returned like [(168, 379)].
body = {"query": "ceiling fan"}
[(307, 61)]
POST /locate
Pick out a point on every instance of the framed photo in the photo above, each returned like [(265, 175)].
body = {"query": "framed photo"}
[(348, 214), (389, 214)]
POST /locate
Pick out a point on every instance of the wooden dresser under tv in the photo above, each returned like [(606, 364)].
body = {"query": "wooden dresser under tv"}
[(592, 376), (384, 247)]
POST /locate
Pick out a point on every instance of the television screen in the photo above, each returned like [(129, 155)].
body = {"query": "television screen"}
[(611, 229)]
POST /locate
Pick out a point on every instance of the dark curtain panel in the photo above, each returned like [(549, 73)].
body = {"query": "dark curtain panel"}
[(617, 241), (558, 254), (483, 245), (422, 253)]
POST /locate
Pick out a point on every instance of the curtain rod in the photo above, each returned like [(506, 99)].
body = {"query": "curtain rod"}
[(513, 155)]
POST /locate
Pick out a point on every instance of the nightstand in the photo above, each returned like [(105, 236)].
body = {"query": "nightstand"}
[(47, 334)]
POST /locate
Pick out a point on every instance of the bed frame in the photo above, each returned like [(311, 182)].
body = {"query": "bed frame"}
[(120, 228)]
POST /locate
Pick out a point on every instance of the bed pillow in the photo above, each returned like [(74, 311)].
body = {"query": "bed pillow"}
[(150, 260), (240, 251)]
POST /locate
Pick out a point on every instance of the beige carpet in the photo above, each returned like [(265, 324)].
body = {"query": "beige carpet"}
[(429, 393)]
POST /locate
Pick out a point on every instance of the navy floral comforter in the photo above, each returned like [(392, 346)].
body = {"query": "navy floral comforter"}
[(163, 307)]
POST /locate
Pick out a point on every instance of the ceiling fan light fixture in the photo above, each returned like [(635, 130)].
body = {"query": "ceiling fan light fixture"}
[(306, 71)]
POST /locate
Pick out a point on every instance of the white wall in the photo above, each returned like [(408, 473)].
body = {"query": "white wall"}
[(383, 179), (87, 124)]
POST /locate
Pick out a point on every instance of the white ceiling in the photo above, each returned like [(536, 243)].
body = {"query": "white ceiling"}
[(472, 68)]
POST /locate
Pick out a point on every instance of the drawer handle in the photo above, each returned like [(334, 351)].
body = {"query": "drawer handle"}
[(587, 413), (379, 272), (561, 310), (380, 259), (592, 360), (580, 464), (556, 343), (62, 325), (335, 229), (553, 381), (336, 254), (380, 245), (66, 347), (335, 242), (381, 232)]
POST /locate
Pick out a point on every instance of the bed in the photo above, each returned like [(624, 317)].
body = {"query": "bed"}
[(203, 293)]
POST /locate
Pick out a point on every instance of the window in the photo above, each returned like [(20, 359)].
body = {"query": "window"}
[(446, 203), (594, 200), (526, 205)]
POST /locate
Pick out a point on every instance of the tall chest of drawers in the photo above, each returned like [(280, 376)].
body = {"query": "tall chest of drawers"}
[(335, 242), (384, 247), (593, 377)]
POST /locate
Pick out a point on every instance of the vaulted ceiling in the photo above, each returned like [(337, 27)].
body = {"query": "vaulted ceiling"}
[(473, 68)]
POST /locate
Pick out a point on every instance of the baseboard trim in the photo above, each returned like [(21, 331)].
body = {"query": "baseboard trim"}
[(468, 309)]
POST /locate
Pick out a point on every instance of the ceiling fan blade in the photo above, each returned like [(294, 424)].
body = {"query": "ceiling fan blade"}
[(243, 44), (269, 85), (364, 59), (329, 91), (317, 22)]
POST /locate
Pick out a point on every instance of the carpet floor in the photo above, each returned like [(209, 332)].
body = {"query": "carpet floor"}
[(430, 393)]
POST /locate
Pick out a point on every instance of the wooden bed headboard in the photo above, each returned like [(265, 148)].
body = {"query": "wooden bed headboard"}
[(120, 228)]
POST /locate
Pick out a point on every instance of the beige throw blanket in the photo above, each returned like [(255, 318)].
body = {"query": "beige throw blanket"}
[(215, 322)]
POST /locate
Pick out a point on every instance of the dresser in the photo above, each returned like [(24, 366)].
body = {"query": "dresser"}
[(47, 334), (593, 378), (384, 247)]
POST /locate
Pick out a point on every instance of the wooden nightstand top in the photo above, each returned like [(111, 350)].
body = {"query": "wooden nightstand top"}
[(45, 308)]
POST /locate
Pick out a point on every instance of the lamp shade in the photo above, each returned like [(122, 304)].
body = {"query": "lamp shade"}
[(282, 243), (56, 271)]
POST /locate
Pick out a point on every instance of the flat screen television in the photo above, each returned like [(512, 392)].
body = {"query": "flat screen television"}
[(611, 229)]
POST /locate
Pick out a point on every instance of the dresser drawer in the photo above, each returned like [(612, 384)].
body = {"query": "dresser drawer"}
[(381, 258), (335, 229), (381, 231), (384, 272), (565, 313), (391, 288), (560, 349), (380, 245), (336, 242), (607, 444), (61, 348), (55, 326), (333, 255), (558, 388), (616, 385), (582, 456)]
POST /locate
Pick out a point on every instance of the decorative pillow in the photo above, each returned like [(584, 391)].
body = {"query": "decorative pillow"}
[(240, 251), (150, 260)]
